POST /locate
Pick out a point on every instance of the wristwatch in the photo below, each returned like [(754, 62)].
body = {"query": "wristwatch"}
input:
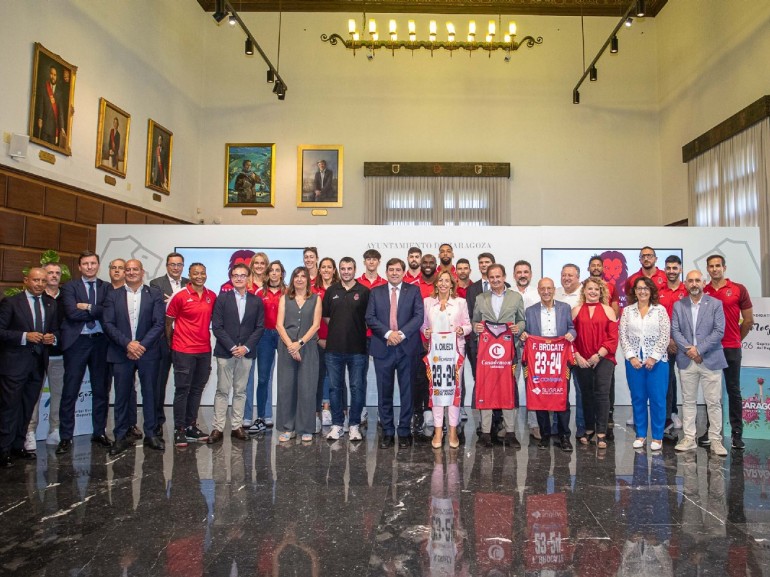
[(301, 343)]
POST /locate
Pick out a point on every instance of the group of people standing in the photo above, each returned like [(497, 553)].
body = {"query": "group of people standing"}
[(325, 323)]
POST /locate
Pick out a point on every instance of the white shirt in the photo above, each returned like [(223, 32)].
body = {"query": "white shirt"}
[(547, 321), (134, 304), (645, 336), (571, 299), (695, 310), (398, 296), (97, 326), (31, 303), (240, 301), (176, 285), (497, 302), (530, 295)]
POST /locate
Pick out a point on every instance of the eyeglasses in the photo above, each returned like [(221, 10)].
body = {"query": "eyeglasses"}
[(642, 289), (644, 256), (239, 276)]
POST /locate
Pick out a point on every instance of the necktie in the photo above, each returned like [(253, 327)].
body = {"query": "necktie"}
[(393, 310), (486, 286), (38, 316), (92, 301)]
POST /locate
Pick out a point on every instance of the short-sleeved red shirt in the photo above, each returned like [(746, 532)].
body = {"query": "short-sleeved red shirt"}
[(370, 285), (668, 297), (735, 298), (658, 277), (270, 300), (192, 320), (410, 278)]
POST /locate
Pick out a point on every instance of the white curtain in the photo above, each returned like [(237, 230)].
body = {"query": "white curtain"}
[(442, 200), (728, 186)]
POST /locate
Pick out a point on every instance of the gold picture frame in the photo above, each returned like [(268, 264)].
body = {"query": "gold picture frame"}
[(112, 138), (249, 175), (51, 104), (314, 189), (160, 149)]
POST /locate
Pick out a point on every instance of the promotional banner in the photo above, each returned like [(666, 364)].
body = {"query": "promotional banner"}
[(756, 345), (756, 408), (83, 423)]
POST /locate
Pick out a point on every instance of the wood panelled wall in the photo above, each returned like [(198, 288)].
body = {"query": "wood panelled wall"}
[(38, 214)]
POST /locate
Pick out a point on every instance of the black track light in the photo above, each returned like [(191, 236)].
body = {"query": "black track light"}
[(575, 96), (232, 21), (592, 74), (628, 22), (270, 76), (219, 10), (640, 9), (249, 47), (614, 45)]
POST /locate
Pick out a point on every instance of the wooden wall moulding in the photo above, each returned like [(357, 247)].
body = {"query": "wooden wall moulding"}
[(477, 169), (749, 116)]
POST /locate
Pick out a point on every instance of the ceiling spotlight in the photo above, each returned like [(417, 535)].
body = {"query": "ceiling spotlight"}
[(575, 96), (249, 48), (592, 74), (270, 76), (640, 10), (219, 10), (232, 21), (614, 45), (628, 22), (277, 87)]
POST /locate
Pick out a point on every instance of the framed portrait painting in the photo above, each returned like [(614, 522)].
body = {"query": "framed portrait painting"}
[(249, 174), (160, 145), (319, 176), (112, 138), (51, 106)]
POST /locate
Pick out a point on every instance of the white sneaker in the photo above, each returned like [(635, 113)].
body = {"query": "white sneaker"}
[(53, 438), (317, 424), (463, 414), (687, 444), (638, 443), (336, 433), (268, 422), (656, 446), (718, 449), (364, 417), (30, 442), (326, 417), (676, 421), (428, 417), (630, 421), (355, 434), (345, 425), (246, 423)]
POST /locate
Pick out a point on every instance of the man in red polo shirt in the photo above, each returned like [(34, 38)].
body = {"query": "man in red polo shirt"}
[(445, 256), (188, 319), (427, 275), (739, 317), (413, 258), (463, 269), (648, 260), (668, 294)]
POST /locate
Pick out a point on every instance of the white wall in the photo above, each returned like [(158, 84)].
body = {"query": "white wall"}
[(712, 62)]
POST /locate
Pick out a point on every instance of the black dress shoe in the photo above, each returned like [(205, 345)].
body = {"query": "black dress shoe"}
[(486, 440), (155, 443), (23, 455), (610, 435), (102, 441), (159, 431), (64, 446), (544, 443), (134, 433), (738, 442), (5, 461), (387, 442), (566, 446), (404, 442), (670, 437), (510, 439), (120, 446)]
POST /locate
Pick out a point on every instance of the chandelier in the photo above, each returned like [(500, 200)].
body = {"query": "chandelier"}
[(490, 42)]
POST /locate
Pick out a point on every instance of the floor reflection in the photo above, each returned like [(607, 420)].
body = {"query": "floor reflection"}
[(328, 509)]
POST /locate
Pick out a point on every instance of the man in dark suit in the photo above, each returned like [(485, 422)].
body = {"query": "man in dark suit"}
[(50, 112), (324, 184), (28, 327), (237, 322), (134, 320), (550, 318), (169, 284), (85, 346), (114, 144), (395, 314)]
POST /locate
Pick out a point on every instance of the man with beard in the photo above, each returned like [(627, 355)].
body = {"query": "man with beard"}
[(522, 274), (569, 292), (463, 269), (596, 270), (739, 318), (423, 416), (669, 294), (413, 258), (445, 256), (648, 260)]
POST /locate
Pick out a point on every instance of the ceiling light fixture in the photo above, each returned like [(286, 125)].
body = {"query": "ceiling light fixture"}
[(357, 40), (629, 21), (249, 47), (614, 45), (219, 11), (592, 74), (232, 21), (640, 9)]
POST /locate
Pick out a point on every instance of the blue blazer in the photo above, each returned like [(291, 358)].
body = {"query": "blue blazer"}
[(72, 293), (709, 332), (563, 319), (230, 331), (117, 325), (409, 317)]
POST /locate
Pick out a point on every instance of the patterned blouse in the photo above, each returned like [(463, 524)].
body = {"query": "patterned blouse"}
[(646, 336)]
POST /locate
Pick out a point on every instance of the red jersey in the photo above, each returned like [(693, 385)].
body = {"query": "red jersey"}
[(410, 278), (658, 277), (270, 300), (323, 330), (192, 319), (426, 288), (444, 365), (370, 285), (735, 298), (547, 363), (495, 368), (549, 545), (463, 291), (668, 297)]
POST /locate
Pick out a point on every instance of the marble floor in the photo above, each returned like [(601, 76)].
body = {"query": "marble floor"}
[(344, 509)]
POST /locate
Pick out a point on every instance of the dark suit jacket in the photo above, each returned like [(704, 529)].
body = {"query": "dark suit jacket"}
[(230, 332), (15, 320), (409, 317), (149, 329), (164, 284), (709, 332), (327, 190), (563, 319), (75, 292)]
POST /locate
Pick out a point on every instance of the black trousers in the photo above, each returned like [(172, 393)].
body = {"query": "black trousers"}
[(595, 386), (671, 394), (191, 373), (20, 387), (732, 375)]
